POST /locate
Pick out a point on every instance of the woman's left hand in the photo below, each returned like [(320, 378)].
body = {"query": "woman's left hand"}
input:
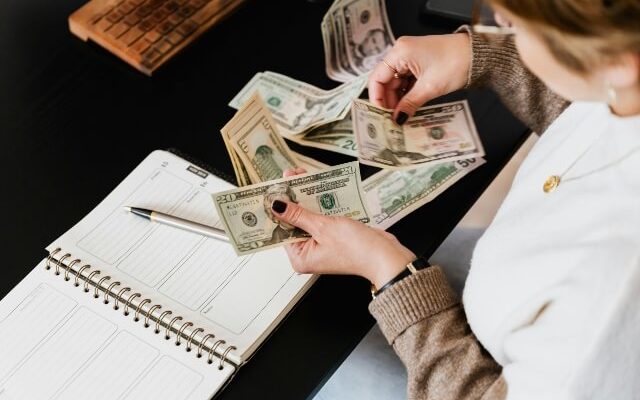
[(339, 245)]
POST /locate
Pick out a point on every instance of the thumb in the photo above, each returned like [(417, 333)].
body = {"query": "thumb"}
[(297, 216), (420, 93)]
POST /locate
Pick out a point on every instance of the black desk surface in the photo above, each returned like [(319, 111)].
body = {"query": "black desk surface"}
[(75, 120)]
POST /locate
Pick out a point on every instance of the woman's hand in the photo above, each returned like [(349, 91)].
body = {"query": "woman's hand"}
[(428, 66), (340, 245)]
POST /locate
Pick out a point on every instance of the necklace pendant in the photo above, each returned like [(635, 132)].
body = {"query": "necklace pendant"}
[(551, 183)]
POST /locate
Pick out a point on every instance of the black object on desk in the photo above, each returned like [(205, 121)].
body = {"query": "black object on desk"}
[(460, 10), (73, 116)]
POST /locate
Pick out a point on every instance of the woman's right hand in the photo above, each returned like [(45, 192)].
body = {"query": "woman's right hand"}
[(428, 66)]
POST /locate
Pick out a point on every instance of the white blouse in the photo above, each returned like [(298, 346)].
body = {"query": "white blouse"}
[(554, 287)]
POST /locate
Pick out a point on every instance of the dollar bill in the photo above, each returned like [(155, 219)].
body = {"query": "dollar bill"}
[(242, 176), (356, 35), (336, 136), (367, 33), (297, 106), (329, 52), (248, 220), (435, 134), (329, 35), (337, 19), (393, 194), (258, 152), (308, 163)]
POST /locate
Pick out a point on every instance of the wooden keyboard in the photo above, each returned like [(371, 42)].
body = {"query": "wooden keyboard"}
[(147, 33)]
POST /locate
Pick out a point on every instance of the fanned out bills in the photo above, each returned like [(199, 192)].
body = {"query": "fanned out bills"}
[(392, 195), (337, 137), (258, 152), (356, 36), (435, 134), (248, 220), (297, 106)]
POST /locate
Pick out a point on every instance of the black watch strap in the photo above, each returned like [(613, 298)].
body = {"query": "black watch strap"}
[(413, 267)]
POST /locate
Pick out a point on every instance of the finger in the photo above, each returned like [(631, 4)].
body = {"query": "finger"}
[(396, 89), (299, 255), (295, 215), (293, 171), (391, 98), (420, 93), (382, 77), (377, 94), (410, 84), (293, 251)]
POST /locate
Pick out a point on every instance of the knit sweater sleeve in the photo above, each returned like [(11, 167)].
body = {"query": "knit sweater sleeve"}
[(495, 64), (425, 323)]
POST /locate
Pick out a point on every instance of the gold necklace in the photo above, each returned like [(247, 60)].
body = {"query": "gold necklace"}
[(553, 181)]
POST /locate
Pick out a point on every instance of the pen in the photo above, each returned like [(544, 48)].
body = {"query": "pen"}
[(179, 223)]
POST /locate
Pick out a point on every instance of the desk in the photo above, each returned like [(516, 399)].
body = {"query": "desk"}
[(76, 120)]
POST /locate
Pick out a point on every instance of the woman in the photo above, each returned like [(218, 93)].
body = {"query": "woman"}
[(551, 301)]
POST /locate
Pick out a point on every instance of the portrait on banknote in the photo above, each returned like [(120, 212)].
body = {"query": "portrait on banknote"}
[(282, 231)]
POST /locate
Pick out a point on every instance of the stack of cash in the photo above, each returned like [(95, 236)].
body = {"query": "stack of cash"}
[(435, 134), (296, 106), (256, 148), (250, 224), (356, 35)]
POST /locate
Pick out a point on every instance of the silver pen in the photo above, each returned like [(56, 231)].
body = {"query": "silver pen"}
[(176, 222)]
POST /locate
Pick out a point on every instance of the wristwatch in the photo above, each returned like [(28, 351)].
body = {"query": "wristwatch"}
[(413, 267)]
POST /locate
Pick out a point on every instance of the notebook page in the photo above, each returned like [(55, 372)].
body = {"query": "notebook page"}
[(58, 342), (201, 279)]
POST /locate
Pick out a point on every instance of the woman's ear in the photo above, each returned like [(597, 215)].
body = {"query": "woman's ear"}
[(624, 72)]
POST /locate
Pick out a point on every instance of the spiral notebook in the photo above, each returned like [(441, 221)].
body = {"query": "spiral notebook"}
[(123, 308)]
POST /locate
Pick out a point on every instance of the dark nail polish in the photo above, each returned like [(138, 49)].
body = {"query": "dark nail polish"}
[(402, 118), (279, 206)]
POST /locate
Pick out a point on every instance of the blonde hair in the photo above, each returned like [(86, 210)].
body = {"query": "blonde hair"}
[(582, 34)]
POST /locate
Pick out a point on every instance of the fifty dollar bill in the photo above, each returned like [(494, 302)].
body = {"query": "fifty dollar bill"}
[(393, 194), (248, 220)]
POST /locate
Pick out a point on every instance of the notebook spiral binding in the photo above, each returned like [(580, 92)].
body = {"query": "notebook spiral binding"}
[(172, 325)]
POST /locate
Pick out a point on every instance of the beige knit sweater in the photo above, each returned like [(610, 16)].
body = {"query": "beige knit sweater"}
[(420, 316)]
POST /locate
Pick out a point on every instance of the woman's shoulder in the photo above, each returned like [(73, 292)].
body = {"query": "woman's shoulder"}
[(590, 127)]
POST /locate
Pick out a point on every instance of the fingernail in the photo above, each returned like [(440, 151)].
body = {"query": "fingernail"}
[(279, 206), (402, 118)]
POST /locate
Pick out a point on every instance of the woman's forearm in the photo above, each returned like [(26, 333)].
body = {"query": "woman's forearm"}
[(425, 323), (495, 63)]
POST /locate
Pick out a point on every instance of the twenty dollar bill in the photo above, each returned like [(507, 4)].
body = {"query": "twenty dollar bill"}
[(336, 136), (435, 134), (250, 224), (297, 106)]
